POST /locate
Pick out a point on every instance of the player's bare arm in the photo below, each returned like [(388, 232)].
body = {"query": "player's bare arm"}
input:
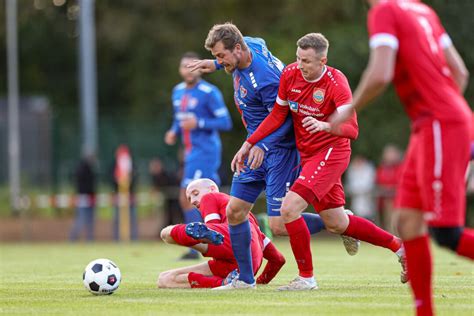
[(457, 67), (204, 66)]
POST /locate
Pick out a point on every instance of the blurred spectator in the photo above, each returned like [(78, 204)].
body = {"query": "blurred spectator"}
[(85, 181), (164, 184), (360, 183), (124, 179), (388, 173)]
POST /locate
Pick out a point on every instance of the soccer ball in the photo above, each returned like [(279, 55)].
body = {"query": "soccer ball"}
[(101, 276)]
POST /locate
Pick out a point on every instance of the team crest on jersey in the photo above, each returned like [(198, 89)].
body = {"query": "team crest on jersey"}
[(293, 106), (243, 92), (318, 95), (192, 103)]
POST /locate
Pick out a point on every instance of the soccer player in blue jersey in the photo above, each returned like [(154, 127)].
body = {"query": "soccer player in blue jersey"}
[(199, 115), (274, 165)]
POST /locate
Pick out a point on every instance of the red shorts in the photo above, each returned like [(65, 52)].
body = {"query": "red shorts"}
[(222, 255), (433, 175), (221, 268), (319, 182)]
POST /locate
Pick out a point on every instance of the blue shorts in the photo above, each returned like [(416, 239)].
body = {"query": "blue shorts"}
[(280, 168), (198, 170)]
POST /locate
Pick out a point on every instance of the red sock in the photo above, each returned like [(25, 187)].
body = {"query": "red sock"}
[(178, 233), (365, 230), (466, 244), (300, 244), (197, 280), (419, 266), (275, 260)]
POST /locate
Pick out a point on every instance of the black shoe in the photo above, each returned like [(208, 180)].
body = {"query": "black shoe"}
[(190, 256)]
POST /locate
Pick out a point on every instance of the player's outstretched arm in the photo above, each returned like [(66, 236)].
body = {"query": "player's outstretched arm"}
[(275, 261), (203, 65)]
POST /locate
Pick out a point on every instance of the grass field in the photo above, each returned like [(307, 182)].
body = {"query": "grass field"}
[(47, 279)]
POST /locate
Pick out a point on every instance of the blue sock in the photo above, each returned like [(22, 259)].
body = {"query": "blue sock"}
[(190, 216), (240, 237), (314, 222)]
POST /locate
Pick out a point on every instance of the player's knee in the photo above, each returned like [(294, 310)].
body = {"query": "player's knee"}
[(278, 229), (335, 227), (235, 214), (447, 237), (288, 213), (163, 279), (165, 234)]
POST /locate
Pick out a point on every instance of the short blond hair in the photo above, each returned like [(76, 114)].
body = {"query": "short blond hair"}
[(316, 41), (227, 33)]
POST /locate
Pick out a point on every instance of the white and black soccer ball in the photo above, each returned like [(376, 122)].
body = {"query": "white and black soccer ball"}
[(101, 276)]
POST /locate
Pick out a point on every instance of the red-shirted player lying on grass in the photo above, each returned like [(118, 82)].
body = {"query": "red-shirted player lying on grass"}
[(212, 240)]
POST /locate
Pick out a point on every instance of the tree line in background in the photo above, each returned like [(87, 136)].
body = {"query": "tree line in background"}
[(139, 44)]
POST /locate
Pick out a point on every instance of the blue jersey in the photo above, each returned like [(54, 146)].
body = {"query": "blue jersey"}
[(255, 92), (203, 101)]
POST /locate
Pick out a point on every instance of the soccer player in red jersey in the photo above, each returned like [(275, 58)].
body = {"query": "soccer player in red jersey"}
[(311, 91), (204, 195), (410, 47)]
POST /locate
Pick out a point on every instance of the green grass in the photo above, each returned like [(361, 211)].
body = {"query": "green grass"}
[(47, 279)]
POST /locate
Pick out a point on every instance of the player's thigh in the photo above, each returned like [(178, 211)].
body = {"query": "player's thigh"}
[(282, 169), (224, 250), (248, 185), (319, 182), (445, 148)]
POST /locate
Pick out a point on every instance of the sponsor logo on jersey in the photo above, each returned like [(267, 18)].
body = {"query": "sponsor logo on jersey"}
[(295, 90), (243, 92), (293, 106), (318, 95)]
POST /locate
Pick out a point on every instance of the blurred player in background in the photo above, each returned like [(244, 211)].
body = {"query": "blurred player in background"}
[(311, 91), (199, 115), (410, 47), (204, 194), (256, 75)]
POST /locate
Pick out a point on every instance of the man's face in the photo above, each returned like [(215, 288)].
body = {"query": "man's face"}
[(309, 63), (230, 59), (195, 193), (185, 72)]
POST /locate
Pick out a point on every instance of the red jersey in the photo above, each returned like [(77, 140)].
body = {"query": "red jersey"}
[(213, 206), (422, 77), (318, 98)]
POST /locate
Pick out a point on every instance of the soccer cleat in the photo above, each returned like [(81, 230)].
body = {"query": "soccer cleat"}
[(234, 274), (201, 232), (351, 244), (236, 284), (403, 261), (299, 284)]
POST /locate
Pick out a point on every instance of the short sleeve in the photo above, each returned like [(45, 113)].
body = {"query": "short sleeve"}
[(210, 209), (282, 97), (382, 27), (342, 91)]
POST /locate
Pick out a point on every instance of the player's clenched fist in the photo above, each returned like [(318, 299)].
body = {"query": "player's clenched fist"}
[(204, 65), (312, 125)]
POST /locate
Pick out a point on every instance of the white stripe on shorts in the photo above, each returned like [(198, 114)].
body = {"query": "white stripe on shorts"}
[(438, 149)]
